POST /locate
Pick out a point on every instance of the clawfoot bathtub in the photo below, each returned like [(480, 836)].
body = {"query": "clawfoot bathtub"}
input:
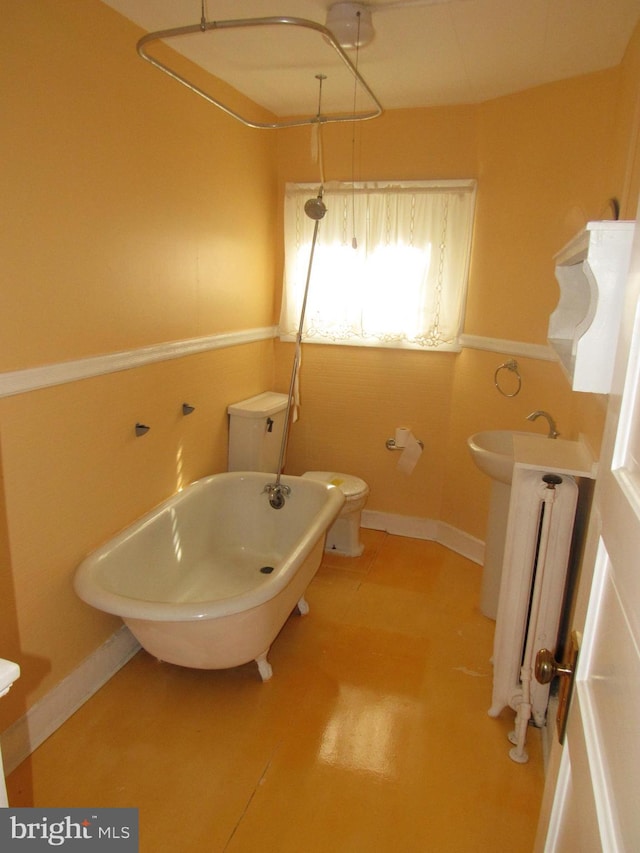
[(209, 577)]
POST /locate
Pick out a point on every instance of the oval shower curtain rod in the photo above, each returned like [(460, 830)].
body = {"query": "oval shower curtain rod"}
[(203, 26)]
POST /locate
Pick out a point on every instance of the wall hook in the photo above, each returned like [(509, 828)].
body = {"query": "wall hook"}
[(187, 409), (141, 429)]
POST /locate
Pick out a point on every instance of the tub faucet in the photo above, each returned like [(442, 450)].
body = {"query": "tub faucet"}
[(277, 492), (539, 413)]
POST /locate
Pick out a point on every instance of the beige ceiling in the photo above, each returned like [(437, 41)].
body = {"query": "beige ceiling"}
[(425, 52)]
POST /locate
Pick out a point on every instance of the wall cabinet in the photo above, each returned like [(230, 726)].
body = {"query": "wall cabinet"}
[(583, 330)]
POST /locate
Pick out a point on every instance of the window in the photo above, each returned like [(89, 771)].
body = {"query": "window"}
[(390, 266)]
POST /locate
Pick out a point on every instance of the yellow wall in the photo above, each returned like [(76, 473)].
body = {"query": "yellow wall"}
[(352, 398), (545, 169), (136, 214), (628, 126), (132, 200), (547, 161)]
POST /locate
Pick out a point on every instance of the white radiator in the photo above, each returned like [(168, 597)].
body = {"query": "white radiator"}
[(537, 547)]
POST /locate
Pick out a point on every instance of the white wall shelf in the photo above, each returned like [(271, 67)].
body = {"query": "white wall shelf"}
[(583, 330)]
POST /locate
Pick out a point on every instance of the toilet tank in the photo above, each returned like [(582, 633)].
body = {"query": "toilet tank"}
[(256, 427)]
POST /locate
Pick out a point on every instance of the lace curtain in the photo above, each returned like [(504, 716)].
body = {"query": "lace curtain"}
[(390, 266)]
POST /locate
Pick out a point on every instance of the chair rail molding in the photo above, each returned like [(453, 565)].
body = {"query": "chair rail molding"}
[(542, 352), (35, 378), (14, 382)]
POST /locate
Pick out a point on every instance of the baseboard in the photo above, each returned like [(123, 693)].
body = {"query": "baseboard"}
[(40, 721), (400, 525), (425, 528), (460, 542)]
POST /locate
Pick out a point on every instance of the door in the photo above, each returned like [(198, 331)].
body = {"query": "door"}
[(592, 795)]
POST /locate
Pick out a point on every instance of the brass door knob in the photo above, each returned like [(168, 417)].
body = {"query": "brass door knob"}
[(547, 667)]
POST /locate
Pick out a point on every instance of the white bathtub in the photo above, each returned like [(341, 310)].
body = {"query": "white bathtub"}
[(186, 578)]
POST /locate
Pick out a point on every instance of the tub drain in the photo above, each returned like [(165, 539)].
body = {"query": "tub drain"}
[(266, 570)]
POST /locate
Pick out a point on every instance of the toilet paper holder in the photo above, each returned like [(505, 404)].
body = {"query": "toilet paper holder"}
[(390, 444)]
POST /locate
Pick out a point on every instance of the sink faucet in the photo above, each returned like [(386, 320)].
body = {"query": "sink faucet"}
[(539, 413)]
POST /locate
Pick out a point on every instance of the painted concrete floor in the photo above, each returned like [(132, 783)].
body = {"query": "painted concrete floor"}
[(372, 735)]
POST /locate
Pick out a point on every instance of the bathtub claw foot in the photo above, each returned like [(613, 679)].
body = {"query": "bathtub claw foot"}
[(264, 667), (303, 606)]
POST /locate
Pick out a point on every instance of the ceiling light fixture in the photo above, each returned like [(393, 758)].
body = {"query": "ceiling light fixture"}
[(351, 24)]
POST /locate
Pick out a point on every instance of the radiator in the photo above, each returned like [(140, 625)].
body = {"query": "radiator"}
[(537, 547)]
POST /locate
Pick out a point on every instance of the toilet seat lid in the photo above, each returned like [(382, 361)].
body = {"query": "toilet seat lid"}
[(351, 487)]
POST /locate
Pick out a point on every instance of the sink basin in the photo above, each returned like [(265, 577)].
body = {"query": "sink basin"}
[(493, 452), (496, 453)]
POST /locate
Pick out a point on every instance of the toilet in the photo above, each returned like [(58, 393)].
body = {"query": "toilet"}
[(255, 432), (256, 426), (343, 537)]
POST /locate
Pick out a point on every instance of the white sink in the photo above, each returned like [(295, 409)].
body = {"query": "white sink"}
[(493, 452), (496, 451)]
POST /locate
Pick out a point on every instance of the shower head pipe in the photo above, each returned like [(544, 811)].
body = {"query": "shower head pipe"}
[(203, 26), (298, 350)]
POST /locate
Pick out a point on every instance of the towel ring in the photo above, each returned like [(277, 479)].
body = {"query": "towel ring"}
[(511, 365)]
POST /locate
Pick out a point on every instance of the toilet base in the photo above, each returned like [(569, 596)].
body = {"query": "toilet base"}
[(343, 537)]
